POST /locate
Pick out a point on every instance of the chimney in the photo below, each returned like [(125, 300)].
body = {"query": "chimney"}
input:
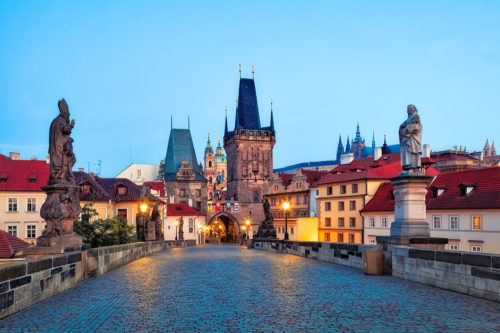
[(15, 156), (346, 158), (33, 158), (377, 153), (426, 152), (81, 169), (47, 159)]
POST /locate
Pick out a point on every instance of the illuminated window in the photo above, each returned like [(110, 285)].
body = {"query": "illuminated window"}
[(31, 205), (454, 222), (328, 222), (139, 173), (327, 237), (476, 222)]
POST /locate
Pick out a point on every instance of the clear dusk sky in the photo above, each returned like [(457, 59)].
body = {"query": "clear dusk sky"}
[(125, 67)]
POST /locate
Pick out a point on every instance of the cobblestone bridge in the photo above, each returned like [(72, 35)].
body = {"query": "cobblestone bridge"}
[(229, 288)]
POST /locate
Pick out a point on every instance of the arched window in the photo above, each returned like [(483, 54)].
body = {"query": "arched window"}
[(209, 164), (210, 179)]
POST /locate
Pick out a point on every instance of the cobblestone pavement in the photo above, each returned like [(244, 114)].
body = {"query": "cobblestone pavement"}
[(230, 289)]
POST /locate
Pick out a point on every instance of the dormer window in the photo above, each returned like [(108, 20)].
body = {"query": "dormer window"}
[(466, 189), (3, 177), (85, 188), (32, 178), (121, 190), (437, 191)]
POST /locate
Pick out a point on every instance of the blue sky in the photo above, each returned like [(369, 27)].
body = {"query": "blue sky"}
[(125, 67)]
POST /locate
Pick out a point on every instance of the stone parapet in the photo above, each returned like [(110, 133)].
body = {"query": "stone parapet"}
[(351, 255), (464, 272)]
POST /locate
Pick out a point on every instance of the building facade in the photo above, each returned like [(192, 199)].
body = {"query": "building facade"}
[(191, 221), (183, 178), (21, 196), (215, 170), (141, 173), (462, 206)]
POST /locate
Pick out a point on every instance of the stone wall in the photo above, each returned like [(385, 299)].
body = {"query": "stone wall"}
[(464, 272), (24, 283), (338, 253)]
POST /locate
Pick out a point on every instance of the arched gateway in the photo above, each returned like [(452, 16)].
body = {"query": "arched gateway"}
[(223, 227)]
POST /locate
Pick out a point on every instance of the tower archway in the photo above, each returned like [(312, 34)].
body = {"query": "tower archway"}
[(223, 227)]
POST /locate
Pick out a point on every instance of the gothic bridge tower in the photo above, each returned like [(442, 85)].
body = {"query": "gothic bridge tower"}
[(249, 149)]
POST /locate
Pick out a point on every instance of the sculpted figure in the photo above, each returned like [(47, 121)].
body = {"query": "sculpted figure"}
[(61, 154), (410, 139)]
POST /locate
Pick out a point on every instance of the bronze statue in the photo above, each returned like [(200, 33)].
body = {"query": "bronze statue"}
[(410, 139), (61, 154), (266, 228)]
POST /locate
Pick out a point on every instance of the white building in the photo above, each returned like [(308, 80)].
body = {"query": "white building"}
[(140, 173), (193, 223), (462, 206)]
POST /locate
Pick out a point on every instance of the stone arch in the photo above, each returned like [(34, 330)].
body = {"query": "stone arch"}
[(224, 227)]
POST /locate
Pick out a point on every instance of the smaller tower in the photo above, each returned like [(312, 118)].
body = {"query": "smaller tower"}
[(340, 148), (348, 146), (209, 160), (487, 149), (493, 150), (385, 147), (373, 140)]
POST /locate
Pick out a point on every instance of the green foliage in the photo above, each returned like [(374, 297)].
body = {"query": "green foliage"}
[(98, 232)]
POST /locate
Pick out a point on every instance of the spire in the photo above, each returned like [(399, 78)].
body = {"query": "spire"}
[(340, 148), (373, 140), (358, 135), (385, 147), (247, 112), (225, 127), (271, 127), (348, 146), (493, 149), (208, 148), (486, 149)]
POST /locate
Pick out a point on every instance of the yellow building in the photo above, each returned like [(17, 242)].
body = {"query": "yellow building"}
[(113, 196), (345, 191)]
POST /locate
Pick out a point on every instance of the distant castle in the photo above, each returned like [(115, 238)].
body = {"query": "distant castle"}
[(489, 151)]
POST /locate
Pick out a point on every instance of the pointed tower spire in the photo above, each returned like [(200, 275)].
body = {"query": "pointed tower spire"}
[(271, 126), (486, 149), (385, 147), (373, 140), (493, 148), (340, 148), (225, 127), (208, 148), (358, 134), (348, 146)]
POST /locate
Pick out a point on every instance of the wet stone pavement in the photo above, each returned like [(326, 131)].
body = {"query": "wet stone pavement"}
[(232, 289)]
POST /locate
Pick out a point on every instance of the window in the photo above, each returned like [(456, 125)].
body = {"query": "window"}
[(31, 205), (352, 221), (298, 200), (298, 185), (476, 248), (327, 237), (122, 190), (383, 222), (329, 190), (210, 179), (328, 222), (340, 238), (12, 229), (354, 188), (198, 205), (476, 222), (306, 198), (31, 231), (279, 230), (317, 192), (3, 177), (123, 213), (12, 204), (352, 205), (291, 230), (85, 188), (256, 196), (372, 241), (454, 222), (436, 222), (341, 205), (372, 222), (139, 173), (191, 226), (182, 192), (342, 189), (341, 222), (454, 247), (351, 238), (209, 164), (328, 206)]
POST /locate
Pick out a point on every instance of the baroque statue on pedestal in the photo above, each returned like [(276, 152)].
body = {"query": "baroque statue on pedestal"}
[(410, 139)]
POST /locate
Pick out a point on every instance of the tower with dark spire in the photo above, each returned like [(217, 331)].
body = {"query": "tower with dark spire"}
[(249, 149), (385, 147), (348, 146), (373, 140), (340, 148)]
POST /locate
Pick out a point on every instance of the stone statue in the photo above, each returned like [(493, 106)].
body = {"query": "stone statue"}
[(61, 154), (410, 139), (62, 205), (266, 228), (155, 216), (145, 192)]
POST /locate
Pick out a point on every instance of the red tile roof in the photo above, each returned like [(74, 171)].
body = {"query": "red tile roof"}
[(388, 166), (157, 186), (485, 195), (19, 172), (9, 244), (106, 189), (313, 176), (182, 209), (286, 178)]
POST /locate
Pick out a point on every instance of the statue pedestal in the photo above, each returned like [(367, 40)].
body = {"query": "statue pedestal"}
[(59, 210), (150, 233), (410, 227)]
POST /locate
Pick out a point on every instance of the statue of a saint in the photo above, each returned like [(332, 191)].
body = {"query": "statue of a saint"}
[(410, 139), (61, 154)]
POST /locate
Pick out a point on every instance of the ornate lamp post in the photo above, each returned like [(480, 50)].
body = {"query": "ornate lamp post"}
[(247, 222), (286, 207), (176, 224)]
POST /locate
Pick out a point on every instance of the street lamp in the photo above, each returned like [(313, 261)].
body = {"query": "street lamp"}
[(143, 207), (286, 207), (176, 224), (247, 222)]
